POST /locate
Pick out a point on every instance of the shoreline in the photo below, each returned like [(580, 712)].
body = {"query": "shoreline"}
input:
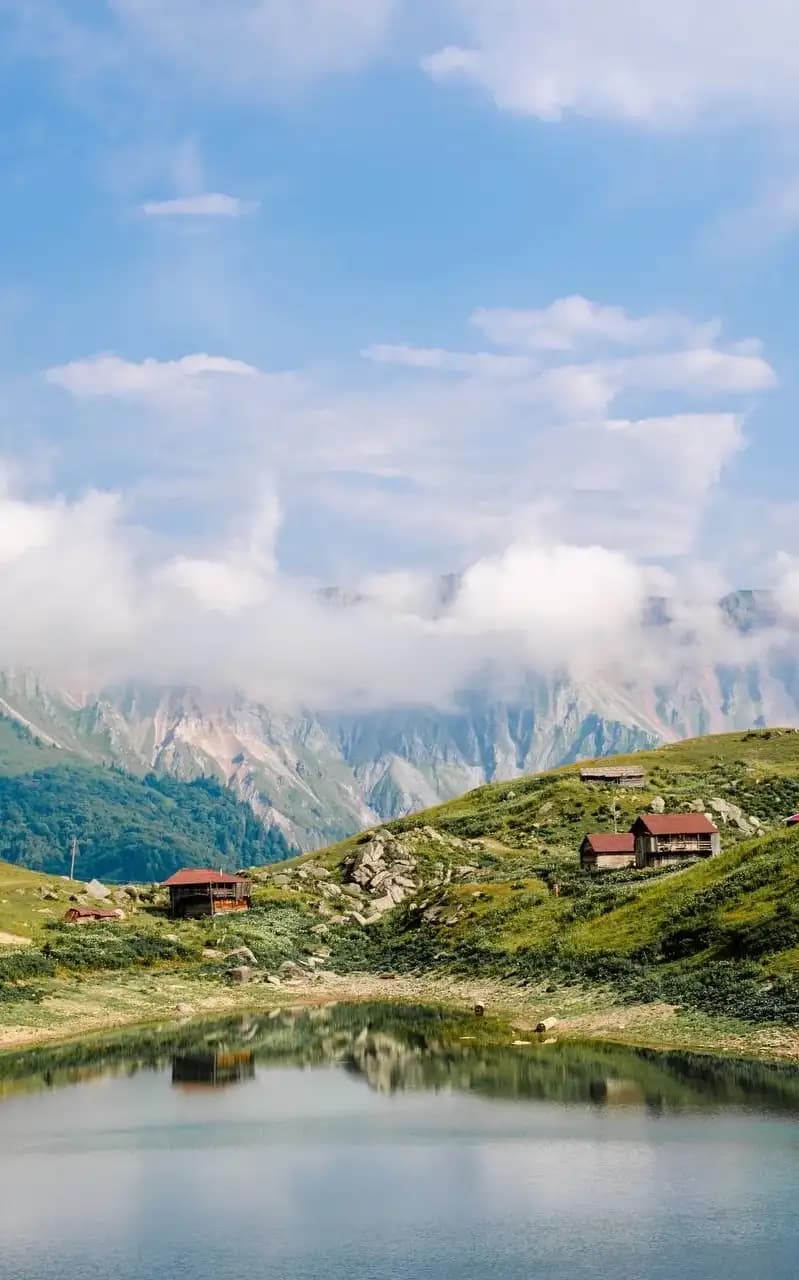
[(94, 1008)]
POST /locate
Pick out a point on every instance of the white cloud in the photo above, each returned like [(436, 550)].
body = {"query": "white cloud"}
[(580, 462), (110, 375), (211, 204), (479, 363), (256, 47), (574, 322), (644, 61)]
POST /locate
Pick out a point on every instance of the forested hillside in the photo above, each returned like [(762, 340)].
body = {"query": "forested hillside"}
[(128, 828)]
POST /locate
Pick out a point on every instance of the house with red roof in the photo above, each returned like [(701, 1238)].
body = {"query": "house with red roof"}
[(607, 852), (662, 839), (200, 891)]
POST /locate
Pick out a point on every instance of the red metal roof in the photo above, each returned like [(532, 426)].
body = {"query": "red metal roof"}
[(201, 876), (675, 824), (612, 843), (793, 821)]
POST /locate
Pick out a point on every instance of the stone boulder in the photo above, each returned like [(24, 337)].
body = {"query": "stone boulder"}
[(243, 954), (94, 889), (241, 974)]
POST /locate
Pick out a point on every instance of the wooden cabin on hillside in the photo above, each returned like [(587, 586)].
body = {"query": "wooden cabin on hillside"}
[(607, 852), (665, 838), (198, 891), (628, 775)]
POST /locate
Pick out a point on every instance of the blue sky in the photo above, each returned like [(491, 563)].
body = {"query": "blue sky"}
[(361, 291)]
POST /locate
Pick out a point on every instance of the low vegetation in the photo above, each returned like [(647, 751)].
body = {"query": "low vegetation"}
[(490, 886)]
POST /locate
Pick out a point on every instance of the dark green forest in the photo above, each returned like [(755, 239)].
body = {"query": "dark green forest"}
[(128, 828)]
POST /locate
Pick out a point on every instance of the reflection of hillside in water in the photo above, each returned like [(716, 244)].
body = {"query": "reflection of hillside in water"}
[(395, 1049)]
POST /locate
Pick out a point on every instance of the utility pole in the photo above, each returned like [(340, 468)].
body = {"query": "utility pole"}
[(73, 849)]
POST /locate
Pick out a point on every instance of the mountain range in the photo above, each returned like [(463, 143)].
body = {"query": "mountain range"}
[(320, 776)]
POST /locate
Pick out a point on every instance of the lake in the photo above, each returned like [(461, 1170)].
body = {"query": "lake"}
[(372, 1142)]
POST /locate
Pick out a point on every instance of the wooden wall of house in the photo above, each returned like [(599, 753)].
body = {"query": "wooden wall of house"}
[(661, 851)]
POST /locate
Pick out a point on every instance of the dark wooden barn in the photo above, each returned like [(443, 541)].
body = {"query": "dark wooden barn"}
[(198, 891), (663, 838), (629, 775)]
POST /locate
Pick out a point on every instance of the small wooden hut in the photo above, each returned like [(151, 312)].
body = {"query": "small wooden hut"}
[(198, 891), (607, 852), (628, 775), (664, 838), (91, 915)]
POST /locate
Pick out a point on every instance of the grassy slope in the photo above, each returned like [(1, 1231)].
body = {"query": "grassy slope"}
[(655, 929), (651, 935)]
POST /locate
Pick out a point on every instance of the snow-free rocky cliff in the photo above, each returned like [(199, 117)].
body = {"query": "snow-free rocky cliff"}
[(323, 776)]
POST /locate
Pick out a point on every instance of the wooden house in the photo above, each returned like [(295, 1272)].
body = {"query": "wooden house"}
[(630, 775), (608, 852), (198, 891), (663, 838)]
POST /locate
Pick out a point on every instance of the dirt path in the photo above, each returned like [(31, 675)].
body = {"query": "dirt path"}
[(95, 1006)]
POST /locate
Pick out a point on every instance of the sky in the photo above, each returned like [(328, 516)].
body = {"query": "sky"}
[(301, 293)]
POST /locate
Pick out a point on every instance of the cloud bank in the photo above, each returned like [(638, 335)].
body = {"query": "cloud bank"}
[(565, 474), (639, 61)]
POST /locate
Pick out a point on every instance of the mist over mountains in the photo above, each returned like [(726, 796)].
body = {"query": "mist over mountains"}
[(320, 774)]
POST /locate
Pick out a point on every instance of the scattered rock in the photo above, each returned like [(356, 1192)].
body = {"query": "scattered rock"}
[(244, 954), (241, 974), (546, 1024), (479, 1011), (49, 895), (697, 806), (730, 813), (658, 805), (319, 873), (273, 980), (94, 889), (282, 882), (289, 967), (184, 1010), (520, 1042)]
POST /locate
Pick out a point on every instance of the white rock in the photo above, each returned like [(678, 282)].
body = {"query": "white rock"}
[(94, 889)]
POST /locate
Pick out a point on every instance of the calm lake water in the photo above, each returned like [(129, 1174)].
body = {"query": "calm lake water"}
[(367, 1143)]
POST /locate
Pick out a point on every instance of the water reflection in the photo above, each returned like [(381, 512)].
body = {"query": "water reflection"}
[(393, 1049), (212, 1070)]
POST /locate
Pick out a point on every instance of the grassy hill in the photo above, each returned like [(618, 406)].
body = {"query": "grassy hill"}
[(489, 887), (722, 935)]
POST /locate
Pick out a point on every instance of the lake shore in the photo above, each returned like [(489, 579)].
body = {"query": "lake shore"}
[(75, 1010)]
